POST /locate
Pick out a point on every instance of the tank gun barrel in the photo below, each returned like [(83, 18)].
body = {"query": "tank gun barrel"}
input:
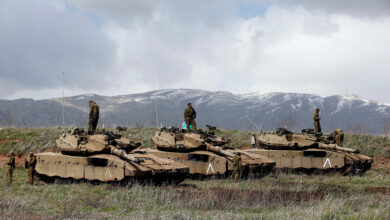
[(219, 150), (123, 155), (335, 147)]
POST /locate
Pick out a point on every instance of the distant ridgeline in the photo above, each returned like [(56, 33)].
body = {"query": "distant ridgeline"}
[(244, 111)]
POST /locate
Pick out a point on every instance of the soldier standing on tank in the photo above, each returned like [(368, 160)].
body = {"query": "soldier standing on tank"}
[(93, 117), (189, 117), (316, 117), (30, 165), (237, 166), (11, 166), (339, 137)]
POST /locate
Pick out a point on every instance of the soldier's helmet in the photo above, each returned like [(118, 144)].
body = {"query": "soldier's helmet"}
[(317, 109), (238, 154)]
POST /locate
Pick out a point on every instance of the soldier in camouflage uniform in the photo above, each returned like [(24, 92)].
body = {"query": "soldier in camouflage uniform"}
[(93, 117), (30, 165), (189, 117), (339, 137), (11, 166), (237, 166), (316, 117)]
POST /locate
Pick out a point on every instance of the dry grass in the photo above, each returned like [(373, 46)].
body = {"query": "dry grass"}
[(275, 196)]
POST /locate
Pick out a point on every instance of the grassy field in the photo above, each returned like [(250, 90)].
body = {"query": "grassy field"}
[(276, 196)]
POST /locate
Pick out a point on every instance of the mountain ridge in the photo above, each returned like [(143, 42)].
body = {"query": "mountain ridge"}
[(220, 108)]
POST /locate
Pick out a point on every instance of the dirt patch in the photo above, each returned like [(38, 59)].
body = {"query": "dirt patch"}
[(19, 160), (382, 190), (245, 147), (10, 140), (381, 162)]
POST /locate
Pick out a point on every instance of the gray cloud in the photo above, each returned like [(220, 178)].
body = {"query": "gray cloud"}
[(38, 42), (118, 9), (117, 47), (358, 8)]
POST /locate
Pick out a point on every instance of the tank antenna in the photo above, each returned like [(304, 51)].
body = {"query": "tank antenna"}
[(254, 123), (155, 103)]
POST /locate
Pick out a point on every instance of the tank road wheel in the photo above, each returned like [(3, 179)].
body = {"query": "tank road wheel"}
[(179, 180), (45, 179), (127, 182)]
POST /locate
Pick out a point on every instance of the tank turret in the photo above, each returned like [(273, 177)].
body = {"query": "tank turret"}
[(76, 141), (106, 157), (308, 151), (205, 153)]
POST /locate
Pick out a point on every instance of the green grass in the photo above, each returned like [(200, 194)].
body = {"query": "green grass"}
[(239, 138), (277, 196), (369, 144), (23, 140)]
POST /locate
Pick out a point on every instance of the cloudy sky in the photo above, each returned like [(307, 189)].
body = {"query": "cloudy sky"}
[(112, 47)]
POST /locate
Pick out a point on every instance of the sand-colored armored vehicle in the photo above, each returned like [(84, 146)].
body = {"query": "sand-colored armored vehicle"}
[(106, 157), (308, 151), (206, 154)]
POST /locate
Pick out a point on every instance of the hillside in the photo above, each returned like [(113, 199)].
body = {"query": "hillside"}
[(243, 111)]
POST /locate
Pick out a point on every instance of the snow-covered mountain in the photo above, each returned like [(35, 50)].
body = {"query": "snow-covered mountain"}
[(246, 111)]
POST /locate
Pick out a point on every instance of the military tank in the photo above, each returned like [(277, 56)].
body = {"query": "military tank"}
[(206, 154), (308, 151), (106, 157)]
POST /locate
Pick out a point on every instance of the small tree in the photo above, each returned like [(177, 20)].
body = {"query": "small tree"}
[(9, 119), (385, 129)]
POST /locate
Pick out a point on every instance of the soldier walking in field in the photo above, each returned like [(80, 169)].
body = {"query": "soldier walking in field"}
[(11, 166), (237, 166), (93, 117), (339, 137), (30, 165), (189, 117), (316, 117)]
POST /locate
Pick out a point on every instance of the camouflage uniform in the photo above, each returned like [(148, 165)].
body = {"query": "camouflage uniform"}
[(11, 166), (316, 117), (339, 137), (93, 117), (31, 162), (189, 117), (237, 167)]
